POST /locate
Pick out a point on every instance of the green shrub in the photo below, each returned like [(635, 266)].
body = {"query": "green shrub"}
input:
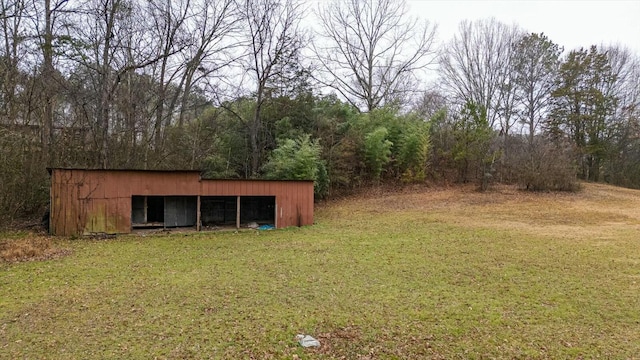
[(377, 150), (298, 159)]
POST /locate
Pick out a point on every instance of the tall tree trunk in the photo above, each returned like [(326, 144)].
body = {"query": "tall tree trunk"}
[(47, 77), (110, 9), (187, 82), (254, 131)]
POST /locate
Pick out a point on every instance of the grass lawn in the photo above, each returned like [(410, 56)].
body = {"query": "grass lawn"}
[(431, 273)]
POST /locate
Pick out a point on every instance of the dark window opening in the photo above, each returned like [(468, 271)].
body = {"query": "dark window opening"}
[(218, 210), (138, 210), (155, 209), (147, 211), (257, 209)]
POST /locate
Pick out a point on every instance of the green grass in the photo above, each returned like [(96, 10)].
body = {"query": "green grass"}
[(427, 275)]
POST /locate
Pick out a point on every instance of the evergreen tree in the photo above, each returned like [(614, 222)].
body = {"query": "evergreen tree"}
[(472, 151), (581, 107)]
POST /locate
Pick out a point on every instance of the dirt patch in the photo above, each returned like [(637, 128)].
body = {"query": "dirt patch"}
[(340, 341)]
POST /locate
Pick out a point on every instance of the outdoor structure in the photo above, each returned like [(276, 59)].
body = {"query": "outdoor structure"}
[(117, 201)]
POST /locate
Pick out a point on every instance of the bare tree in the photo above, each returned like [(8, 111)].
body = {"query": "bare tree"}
[(371, 50), (12, 18), (214, 29), (625, 66), (430, 103), (53, 11), (273, 38), (168, 28), (99, 31), (475, 66), (535, 66), (623, 127), (200, 34), (114, 43)]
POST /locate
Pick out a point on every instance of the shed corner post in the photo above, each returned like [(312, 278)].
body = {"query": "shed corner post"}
[(238, 212), (275, 216), (198, 226), (51, 207)]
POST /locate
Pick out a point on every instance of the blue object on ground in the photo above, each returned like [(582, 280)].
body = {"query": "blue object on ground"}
[(266, 227)]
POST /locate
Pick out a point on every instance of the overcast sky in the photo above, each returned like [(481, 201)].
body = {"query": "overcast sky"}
[(572, 24)]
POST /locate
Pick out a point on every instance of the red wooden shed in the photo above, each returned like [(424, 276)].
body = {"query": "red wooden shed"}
[(117, 201)]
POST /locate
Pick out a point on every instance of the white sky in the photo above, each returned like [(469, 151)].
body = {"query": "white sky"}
[(572, 24)]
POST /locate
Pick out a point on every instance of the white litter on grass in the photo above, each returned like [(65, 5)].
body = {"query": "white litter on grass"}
[(307, 341)]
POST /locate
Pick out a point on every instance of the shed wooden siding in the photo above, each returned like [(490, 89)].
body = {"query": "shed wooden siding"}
[(99, 201)]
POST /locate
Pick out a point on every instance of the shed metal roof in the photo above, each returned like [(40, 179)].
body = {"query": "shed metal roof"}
[(50, 169)]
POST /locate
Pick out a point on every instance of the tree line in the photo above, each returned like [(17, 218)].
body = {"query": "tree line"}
[(349, 94)]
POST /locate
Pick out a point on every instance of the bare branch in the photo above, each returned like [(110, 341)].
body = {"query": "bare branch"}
[(370, 51)]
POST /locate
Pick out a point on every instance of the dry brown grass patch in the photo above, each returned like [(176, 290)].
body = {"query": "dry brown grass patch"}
[(562, 214), (29, 248)]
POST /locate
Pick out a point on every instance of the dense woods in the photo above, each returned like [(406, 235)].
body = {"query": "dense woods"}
[(348, 94)]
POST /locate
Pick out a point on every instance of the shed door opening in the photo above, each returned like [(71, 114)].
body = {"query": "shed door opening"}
[(163, 211), (258, 209), (180, 211), (138, 210), (223, 211), (218, 210), (147, 211)]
